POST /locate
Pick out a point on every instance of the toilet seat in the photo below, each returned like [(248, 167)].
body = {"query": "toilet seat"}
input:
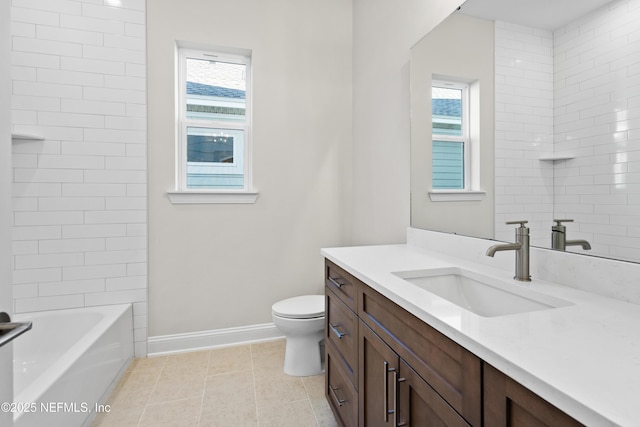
[(302, 307)]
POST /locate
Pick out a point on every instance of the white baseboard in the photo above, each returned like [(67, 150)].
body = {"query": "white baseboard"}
[(179, 343)]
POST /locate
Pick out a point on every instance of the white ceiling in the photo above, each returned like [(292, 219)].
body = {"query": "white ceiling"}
[(544, 14)]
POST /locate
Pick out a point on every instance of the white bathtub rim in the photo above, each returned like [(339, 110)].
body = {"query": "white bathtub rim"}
[(34, 391)]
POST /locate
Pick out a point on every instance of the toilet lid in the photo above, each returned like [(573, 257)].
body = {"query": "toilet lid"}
[(304, 307)]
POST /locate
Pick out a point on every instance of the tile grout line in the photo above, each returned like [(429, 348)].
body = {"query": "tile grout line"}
[(149, 408), (313, 411), (144, 410), (204, 387), (255, 392)]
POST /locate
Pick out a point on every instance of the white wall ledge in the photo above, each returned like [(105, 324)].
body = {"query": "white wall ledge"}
[(211, 197), (456, 196)]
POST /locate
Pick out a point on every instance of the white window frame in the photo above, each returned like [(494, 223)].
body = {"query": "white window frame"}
[(464, 137), (470, 191), (182, 193)]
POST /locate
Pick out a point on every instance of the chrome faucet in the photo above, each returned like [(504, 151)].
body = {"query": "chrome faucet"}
[(521, 246), (559, 240)]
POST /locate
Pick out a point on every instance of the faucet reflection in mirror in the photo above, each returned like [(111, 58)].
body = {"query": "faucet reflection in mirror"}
[(572, 92), (559, 240)]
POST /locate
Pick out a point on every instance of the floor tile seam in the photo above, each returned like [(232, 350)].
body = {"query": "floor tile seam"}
[(229, 372), (253, 378), (313, 410), (190, 396), (182, 399), (181, 368), (204, 389), (141, 416), (155, 383)]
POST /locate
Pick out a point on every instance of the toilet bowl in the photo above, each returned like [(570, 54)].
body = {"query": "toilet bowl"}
[(301, 320)]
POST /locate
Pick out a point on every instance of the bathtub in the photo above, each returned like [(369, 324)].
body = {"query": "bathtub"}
[(68, 363)]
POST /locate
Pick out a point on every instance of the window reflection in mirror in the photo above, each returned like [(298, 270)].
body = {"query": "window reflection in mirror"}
[(452, 131)]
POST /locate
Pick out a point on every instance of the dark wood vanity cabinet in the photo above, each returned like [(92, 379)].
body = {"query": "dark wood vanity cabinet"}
[(393, 394), (386, 367), (341, 344), (434, 381), (509, 404)]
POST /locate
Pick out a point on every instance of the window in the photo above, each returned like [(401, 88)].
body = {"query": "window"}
[(450, 129), (214, 119)]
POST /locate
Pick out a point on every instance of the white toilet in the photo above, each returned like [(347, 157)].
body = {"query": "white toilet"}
[(301, 320)]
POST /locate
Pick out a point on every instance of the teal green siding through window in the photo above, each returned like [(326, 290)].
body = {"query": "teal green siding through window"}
[(233, 181), (448, 165)]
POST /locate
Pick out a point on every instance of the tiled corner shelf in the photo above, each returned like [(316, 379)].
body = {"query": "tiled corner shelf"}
[(552, 157), (26, 137)]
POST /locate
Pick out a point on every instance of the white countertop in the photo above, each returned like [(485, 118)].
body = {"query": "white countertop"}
[(583, 358)]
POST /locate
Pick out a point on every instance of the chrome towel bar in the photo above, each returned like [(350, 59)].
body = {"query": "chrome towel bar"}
[(11, 330)]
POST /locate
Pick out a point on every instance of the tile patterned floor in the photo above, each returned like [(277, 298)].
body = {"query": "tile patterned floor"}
[(233, 386)]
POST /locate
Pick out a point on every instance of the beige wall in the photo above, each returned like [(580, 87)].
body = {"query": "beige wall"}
[(383, 33), (461, 47), (219, 266)]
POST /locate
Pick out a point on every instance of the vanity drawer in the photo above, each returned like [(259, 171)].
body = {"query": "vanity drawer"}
[(342, 331), (452, 371), (342, 283), (340, 393)]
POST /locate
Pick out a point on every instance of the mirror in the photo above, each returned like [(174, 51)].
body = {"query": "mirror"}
[(553, 123)]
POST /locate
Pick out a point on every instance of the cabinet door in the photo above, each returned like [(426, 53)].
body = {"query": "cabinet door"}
[(452, 371), (378, 371), (420, 405), (509, 404)]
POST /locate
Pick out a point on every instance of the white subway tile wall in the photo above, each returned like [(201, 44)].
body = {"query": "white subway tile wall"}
[(573, 93), (524, 130), (80, 214), (597, 112)]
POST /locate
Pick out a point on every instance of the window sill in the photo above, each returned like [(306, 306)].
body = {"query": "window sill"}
[(211, 197), (456, 196)]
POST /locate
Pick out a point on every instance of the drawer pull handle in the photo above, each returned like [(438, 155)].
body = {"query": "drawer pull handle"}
[(334, 282), (335, 395), (385, 407), (335, 330)]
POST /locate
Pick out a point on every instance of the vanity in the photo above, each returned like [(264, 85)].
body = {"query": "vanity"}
[(401, 353), (506, 124)]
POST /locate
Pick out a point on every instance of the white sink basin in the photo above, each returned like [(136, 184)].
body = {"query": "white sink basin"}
[(479, 294)]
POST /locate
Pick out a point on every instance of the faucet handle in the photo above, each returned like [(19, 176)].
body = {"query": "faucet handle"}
[(522, 223), (560, 221)]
